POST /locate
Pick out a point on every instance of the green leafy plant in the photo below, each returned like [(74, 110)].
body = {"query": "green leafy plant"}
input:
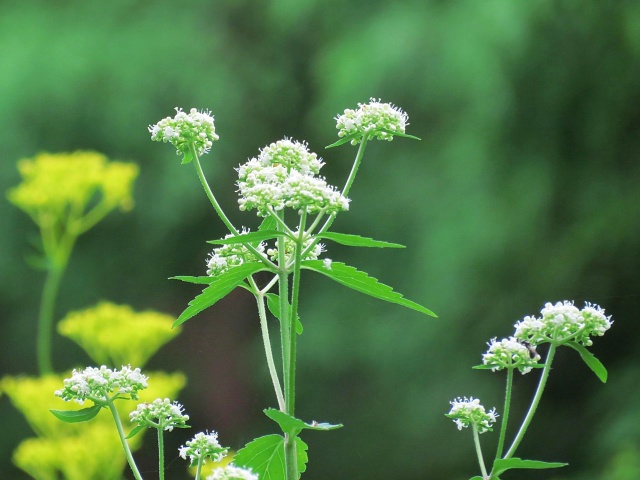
[(560, 324)]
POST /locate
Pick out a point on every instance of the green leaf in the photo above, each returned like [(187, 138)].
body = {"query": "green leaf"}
[(357, 240), (265, 456), (404, 135), (273, 303), (360, 281), (219, 288), (135, 432), (188, 157), (294, 426), (76, 416), (344, 140), (269, 223), (502, 465), (200, 280), (592, 362), (250, 237)]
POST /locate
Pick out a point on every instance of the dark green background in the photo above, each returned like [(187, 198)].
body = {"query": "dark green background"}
[(523, 190)]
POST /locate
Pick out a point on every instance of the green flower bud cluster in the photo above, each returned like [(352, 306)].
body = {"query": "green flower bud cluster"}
[(161, 414), (468, 411), (201, 447), (509, 353), (380, 120), (231, 255), (186, 129)]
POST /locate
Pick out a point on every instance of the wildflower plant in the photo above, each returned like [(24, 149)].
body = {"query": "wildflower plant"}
[(559, 324), (296, 206)]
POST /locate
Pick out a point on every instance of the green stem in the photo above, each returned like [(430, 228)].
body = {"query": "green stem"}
[(125, 445), (505, 412), (356, 164), (476, 441), (269, 351), (534, 402), (45, 319), (199, 467), (160, 454)]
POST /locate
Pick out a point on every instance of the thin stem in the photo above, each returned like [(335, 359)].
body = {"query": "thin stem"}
[(356, 164), (210, 195), (160, 454), (505, 412), (125, 445), (45, 319), (199, 467), (476, 441), (268, 351), (534, 403)]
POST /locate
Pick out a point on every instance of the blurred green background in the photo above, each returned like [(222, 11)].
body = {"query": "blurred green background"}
[(524, 189)]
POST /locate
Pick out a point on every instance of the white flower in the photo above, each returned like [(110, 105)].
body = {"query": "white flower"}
[(326, 263), (185, 129), (468, 411), (381, 120), (160, 413), (202, 446), (101, 384), (509, 353), (231, 255), (231, 472)]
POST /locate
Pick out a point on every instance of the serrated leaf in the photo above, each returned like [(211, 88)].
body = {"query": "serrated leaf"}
[(250, 237), (219, 288), (135, 432), (76, 416), (503, 464), (357, 240), (592, 362), (265, 456), (362, 282), (294, 426), (344, 140), (273, 303)]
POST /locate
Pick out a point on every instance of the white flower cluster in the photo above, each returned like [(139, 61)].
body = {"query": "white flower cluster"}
[(231, 255), (510, 353), (289, 250), (563, 322), (184, 129), (468, 411), (160, 414), (285, 174), (231, 472), (99, 384), (380, 120), (202, 446)]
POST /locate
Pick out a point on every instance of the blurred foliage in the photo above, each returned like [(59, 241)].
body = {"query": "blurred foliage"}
[(523, 190)]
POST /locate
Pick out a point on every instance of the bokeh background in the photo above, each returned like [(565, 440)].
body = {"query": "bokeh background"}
[(524, 189)]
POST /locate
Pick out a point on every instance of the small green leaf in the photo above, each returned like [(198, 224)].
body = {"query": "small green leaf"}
[(188, 157), (357, 240), (269, 223), (502, 465), (294, 426), (403, 135), (273, 303), (76, 416), (204, 280), (265, 456), (344, 140), (250, 237), (592, 362), (219, 288), (135, 432), (360, 281), (476, 478)]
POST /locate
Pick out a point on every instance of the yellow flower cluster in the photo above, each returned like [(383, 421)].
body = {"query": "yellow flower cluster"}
[(70, 449), (116, 335), (67, 184)]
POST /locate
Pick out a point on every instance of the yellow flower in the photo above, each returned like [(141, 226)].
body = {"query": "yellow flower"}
[(58, 187), (116, 335)]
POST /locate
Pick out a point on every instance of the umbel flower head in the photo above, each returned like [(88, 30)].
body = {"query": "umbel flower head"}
[(186, 129), (201, 447), (231, 472), (116, 334), (563, 322), (468, 411), (509, 353), (285, 174), (102, 384), (377, 119), (161, 414), (56, 186)]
